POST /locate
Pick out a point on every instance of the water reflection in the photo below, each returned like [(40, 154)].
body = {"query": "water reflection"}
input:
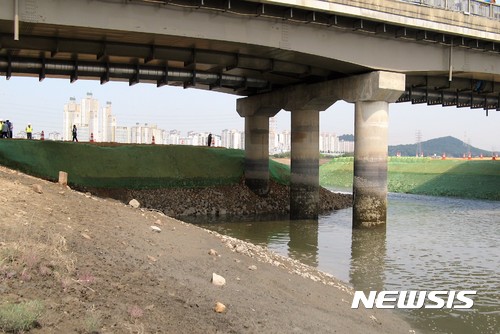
[(303, 244), (429, 243), (368, 252)]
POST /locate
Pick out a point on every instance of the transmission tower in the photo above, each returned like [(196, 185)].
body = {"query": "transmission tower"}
[(418, 137)]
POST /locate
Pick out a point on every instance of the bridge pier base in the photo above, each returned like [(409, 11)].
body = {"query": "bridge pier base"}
[(304, 183), (370, 164), (257, 154)]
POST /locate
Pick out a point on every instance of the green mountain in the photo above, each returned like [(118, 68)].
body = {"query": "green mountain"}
[(451, 146)]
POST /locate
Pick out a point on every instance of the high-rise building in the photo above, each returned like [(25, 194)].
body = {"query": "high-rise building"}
[(122, 134), (84, 115), (108, 124), (72, 115), (232, 139), (273, 136)]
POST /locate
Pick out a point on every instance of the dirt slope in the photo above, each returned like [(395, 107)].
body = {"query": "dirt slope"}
[(97, 266)]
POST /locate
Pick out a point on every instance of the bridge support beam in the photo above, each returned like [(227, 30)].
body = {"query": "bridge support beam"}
[(257, 154), (304, 183)]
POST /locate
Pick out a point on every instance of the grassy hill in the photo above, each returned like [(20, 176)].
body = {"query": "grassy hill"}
[(130, 166), (459, 178), (452, 146)]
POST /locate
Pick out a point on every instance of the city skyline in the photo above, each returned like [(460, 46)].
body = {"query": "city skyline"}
[(96, 121), (25, 100)]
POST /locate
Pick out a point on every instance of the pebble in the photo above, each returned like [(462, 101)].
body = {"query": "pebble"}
[(134, 203), (218, 280), (219, 307)]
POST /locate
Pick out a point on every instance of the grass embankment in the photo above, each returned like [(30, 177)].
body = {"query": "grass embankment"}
[(458, 178), (131, 166)]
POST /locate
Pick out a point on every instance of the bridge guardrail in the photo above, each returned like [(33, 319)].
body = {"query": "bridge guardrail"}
[(475, 7)]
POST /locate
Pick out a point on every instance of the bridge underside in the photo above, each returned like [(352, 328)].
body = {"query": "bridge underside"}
[(73, 48)]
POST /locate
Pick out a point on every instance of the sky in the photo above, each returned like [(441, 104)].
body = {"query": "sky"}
[(26, 100)]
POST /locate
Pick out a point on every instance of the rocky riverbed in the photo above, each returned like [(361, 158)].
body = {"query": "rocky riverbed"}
[(236, 200)]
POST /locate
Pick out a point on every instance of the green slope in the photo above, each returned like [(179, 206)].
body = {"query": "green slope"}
[(130, 166), (459, 178)]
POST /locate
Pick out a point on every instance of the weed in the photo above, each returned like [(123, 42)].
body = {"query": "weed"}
[(135, 312), (9, 255), (20, 317), (93, 321), (86, 279)]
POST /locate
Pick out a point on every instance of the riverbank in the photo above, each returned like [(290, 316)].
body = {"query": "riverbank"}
[(93, 265), (221, 201), (475, 179), (176, 180)]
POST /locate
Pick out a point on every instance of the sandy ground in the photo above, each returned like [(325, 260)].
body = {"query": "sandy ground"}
[(98, 267)]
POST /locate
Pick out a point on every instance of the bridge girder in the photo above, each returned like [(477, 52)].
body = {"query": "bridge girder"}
[(48, 51)]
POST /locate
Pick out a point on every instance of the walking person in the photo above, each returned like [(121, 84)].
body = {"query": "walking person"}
[(209, 140), (74, 133), (29, 131), (11, 128), (5, 130)]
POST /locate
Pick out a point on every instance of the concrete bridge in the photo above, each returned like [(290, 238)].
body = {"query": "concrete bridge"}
[(298, 56)]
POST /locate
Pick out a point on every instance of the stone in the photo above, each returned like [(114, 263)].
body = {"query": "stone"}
[(134, 203), (37, 188), (155, 229), (158, 222), (253, 267), (218, 280), (63, 178), (213, 252), (86, 236), (219, 307), (240, 249)]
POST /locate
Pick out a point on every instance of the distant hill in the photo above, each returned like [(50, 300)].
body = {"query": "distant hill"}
[(451, 146), (346, 137)]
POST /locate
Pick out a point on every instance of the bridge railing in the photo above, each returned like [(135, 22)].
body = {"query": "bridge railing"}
[(475, 7)]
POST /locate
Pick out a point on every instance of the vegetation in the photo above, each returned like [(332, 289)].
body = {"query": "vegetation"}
[(349, 137), (160, 166), (21, 317), (459, 178), (283, 155), (130, 166)]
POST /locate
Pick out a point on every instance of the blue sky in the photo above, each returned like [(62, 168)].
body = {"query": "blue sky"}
[(26, 100)]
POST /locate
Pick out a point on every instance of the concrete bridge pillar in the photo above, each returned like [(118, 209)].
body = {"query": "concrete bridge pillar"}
[(257, 154), (304, 183), (371, 94), (257, 115), (370, 163)]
